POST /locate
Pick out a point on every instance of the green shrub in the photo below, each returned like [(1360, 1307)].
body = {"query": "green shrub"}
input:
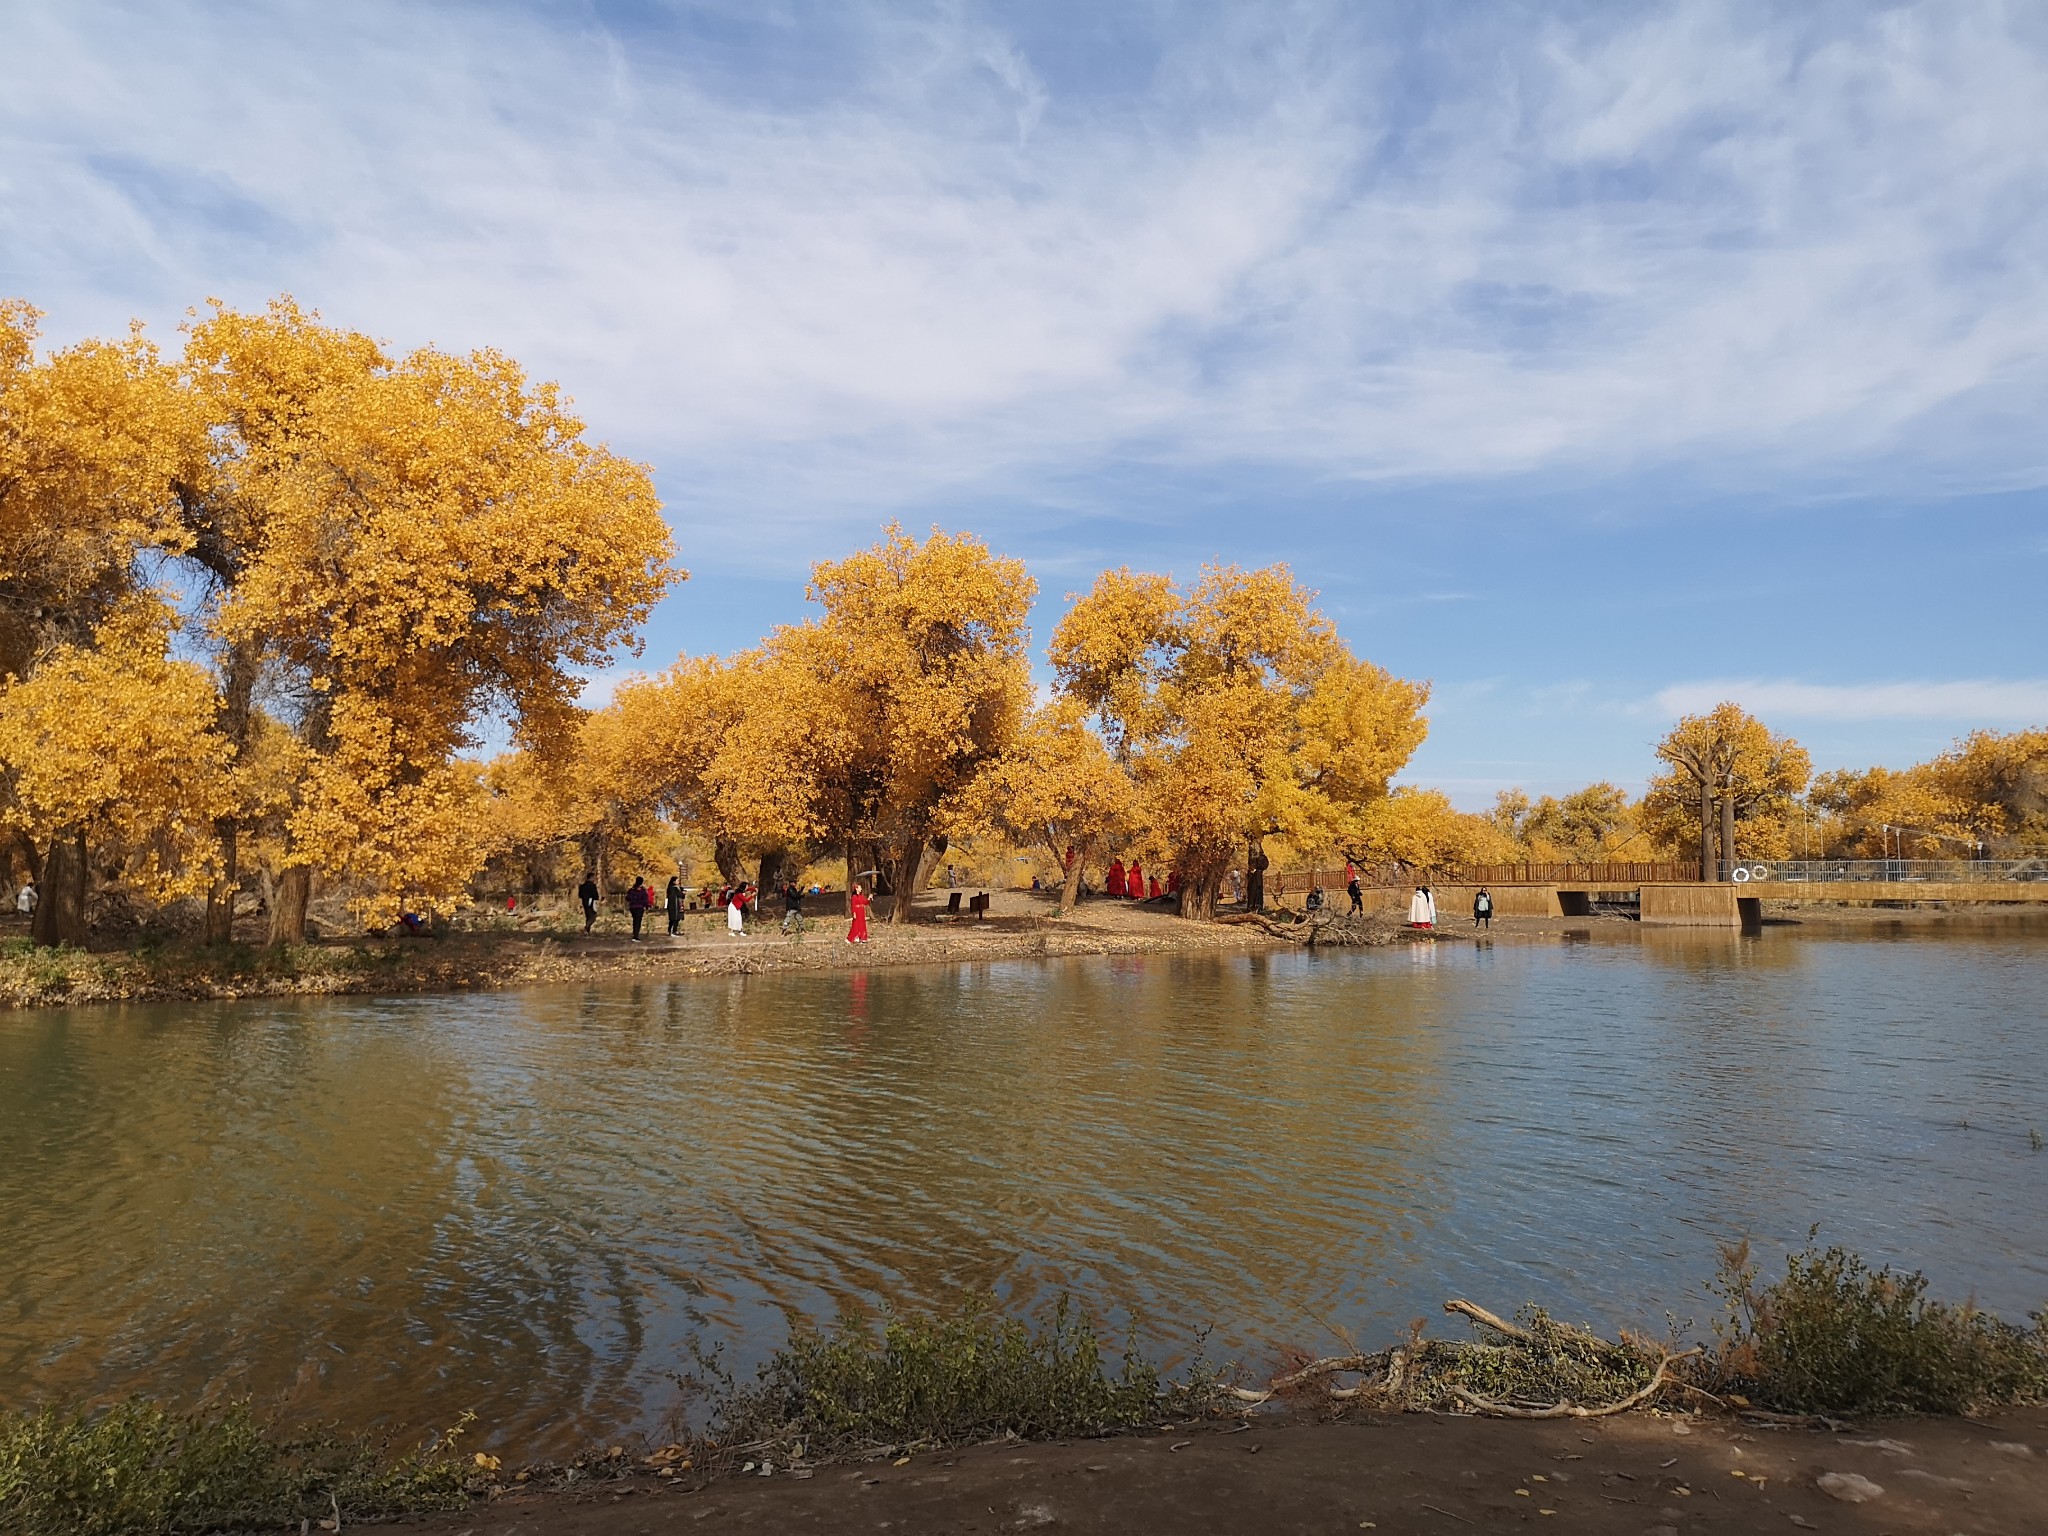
[(137, 1468), (919, 1380), (1837, 1337)]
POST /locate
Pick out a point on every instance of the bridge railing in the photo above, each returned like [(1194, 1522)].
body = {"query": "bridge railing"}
[(1599, 873), (1932, 871)]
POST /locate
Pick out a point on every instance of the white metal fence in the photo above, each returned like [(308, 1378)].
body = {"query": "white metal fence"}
[(1949, 871)]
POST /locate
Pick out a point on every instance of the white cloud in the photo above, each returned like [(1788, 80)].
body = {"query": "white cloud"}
[(599, 688), (1775, 243), (1974, 701)]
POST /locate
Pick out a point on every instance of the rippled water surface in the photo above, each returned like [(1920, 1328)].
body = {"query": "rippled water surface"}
[(389, 1211)]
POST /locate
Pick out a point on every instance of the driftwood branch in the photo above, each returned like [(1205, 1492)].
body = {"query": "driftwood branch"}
[(1314, 1370), (1486, 1319), (1569, 1409)]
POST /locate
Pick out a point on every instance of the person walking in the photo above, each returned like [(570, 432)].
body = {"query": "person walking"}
[(26, 898), (857, 904), (1351, 888), (672, 898), (587, 894), (792, 905), (1422, 908), (1113, 882), (638, 899), (1482, 909), (1134, 881)]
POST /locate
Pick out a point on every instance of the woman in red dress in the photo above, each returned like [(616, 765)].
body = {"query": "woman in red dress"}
[(857, 930), (1113, 882), (1134, 881), (1152, 888)]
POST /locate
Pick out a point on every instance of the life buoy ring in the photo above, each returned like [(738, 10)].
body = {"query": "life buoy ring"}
[(1759, 871), (1740, 875)]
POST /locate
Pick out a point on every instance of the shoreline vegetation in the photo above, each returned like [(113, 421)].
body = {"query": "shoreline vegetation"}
[(543, 945), (1827, 1341)]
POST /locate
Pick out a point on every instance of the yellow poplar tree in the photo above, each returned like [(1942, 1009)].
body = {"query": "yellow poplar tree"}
[(1241, 713), (110, 745), (1057, 788), (87, 440), (1725, 759), (1591, 824), (866, 721), (1421, 829), (1988, 792), (405, 545)]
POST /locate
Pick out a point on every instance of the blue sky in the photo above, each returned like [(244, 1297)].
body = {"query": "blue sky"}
[(1593, 361)]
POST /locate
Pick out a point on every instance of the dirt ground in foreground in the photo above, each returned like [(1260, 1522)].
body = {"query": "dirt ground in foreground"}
[(1638, 1475)]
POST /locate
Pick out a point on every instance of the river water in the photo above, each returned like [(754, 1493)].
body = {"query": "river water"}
[(526, 1204)]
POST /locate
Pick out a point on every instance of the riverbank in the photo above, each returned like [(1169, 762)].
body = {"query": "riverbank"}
[(491, 950), (1634, 1475), (547, 947)]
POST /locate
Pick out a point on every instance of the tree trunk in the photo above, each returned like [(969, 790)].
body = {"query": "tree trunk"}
[(928, 865), (60, 911), (1198, 896), (597, 859), (220, 900), (1707, 871), (726, 856), (1070, 883), (288, 911), (774, 869), (911, 864), (238, 687), (1728, 836)]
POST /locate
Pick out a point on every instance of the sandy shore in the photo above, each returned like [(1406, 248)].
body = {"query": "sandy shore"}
[(1634, 1475), (1020, 925)]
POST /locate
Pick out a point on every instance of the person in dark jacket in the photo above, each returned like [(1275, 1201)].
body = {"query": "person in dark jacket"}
[(638, 900), (1482, 909), (792, 905), (587, 894), (674, 900)]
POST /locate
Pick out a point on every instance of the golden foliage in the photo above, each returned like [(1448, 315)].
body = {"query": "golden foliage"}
[(115, 740), (1733, 759), (410, 543), (88, 442), (1239, 712), (1421, 829), (1988, 793), (1596, 823), (864, 722), (1057, 787)]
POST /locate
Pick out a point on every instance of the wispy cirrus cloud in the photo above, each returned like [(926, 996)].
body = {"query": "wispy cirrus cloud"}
[(820, 260), (1977, 701)]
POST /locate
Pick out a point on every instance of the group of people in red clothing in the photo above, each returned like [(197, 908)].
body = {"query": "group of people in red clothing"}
[(1133, 884)]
